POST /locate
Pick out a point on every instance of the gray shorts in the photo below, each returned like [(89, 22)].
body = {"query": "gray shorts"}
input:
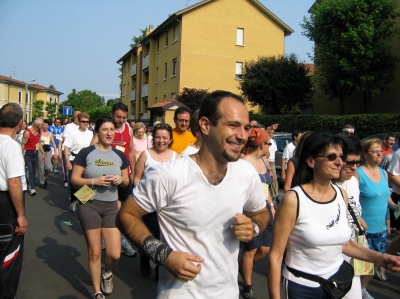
[(98, 214)]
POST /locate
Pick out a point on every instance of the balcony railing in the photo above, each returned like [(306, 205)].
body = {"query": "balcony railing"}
[(145, 62), (145, 90), (133, 70), (133, 95)]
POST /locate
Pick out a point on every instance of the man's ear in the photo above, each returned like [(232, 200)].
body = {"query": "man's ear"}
[(205, 125)]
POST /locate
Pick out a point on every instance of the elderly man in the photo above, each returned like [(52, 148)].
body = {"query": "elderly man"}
[(200, 200), (181, 135), (12, 209), (30, 147)]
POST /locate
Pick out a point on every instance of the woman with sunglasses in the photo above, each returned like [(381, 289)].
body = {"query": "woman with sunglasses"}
[(140, 142), (256, 152), (374, 196), (160, 152), (311, 222)]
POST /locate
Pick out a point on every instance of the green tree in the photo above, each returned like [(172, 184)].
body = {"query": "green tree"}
[(138, 39), (192, 97), (279, 84), (111, 102), (84, 100), (37, 109), (99, 112), (51, 110), (352, 51)]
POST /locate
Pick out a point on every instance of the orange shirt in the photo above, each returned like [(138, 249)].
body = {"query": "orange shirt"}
[(386, 151), (181, 141)]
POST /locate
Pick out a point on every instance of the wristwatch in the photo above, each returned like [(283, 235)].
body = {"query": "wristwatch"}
[(256, 229)]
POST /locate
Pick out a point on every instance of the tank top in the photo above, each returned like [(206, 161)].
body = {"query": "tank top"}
[(315, 243), (151, 162), (265, 177), (122, 140), (45, 139), (374, 201), (33, 142)]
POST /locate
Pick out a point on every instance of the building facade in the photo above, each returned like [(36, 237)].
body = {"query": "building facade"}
[(202, 46), (25, 94)]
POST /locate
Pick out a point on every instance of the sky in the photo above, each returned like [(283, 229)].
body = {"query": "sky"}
[(76, 43)]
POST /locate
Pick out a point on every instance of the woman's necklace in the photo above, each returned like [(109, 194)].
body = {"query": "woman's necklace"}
[(214, 181)]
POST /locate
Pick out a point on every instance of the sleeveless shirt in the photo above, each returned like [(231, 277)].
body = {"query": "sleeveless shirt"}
[(151, 162), (32, 141), (122, 140)]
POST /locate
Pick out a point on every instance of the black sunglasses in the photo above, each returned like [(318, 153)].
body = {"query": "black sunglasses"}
[(331, 157), (84, 121), (352, 163), (268, 143)]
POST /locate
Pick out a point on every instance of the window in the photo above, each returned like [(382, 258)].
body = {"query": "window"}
[(176, 32), (240, 37), (239, 68), (173, 95), (174, 67), (165, 97), (166, 39), (19, 96), (26, 98), (166, 71), (158, 43), (156, 74)]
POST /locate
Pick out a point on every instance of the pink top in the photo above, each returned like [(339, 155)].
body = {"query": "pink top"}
[(140, 145)]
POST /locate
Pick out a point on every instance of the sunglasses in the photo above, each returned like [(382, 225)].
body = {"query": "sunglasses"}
[(331, 157), (84, 121), (352, 163), (267, 143)]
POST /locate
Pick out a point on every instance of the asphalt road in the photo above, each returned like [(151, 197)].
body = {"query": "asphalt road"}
[(55, 257)]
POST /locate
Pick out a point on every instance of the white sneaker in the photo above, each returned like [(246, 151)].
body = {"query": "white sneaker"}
[(66, 185), (32, 192), (126, 248), (55, 171), (366, 295), (106, 283), (380, 272)]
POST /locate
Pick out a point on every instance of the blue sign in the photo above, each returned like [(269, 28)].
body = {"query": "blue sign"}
[(67, 110)]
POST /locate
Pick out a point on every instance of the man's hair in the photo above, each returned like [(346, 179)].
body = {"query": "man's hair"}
[(388, 135), (348, 126), (38, 121), (119, 106), (194, 123), (353, 145), (181, 110), (210, 104), (46, 121), (10, 115), (83, 115), (296, 133), (257, 125), (57, 118)]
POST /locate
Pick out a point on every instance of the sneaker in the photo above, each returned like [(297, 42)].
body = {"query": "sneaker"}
[(51, 169), (65, 184), (249, 293), (99, 296), (106, 283), (126, 248), (56, 171), (103, 244), (366, 295), (73, 206), (381, 273), (32, 192)]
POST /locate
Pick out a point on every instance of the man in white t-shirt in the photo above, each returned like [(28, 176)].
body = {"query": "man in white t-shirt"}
[(12, 208), (68, 129), (288, 152), (199, 201), (394, 178)]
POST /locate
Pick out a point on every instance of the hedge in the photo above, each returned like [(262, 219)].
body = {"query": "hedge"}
[(365, 124)]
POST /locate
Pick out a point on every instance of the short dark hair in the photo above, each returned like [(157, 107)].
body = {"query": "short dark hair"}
[(181, 110), (119, 106), (57, 118), (210, 104), (46, 121), (352, 144), (296, 133), (166, 127), (194, 123), (313, 146), (10, 115), (104, 119), (388, 135)]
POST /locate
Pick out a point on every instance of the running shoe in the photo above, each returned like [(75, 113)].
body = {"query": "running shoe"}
[(99, 296), (381, 273), (32, 192), (65, 184), (73, 206), (366, 295), (249, 293), (56, 171), (126, 248), (106, 283)]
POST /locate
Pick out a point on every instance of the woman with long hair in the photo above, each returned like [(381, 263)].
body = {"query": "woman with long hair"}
[(311, 223), (159, 153), (256, 150), (104, 169)]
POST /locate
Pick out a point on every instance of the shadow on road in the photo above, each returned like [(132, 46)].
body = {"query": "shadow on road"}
[(69, 220), (62, 260)]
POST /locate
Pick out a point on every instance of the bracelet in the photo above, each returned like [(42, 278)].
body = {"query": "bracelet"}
[(271, 204), (156, 250)]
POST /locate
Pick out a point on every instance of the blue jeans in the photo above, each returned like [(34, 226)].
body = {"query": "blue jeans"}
[(31, 162)]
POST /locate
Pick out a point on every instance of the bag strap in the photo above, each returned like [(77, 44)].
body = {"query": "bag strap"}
[(360, 229), (302, 274)]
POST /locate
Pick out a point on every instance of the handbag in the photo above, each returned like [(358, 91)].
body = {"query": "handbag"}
[(336, 286)]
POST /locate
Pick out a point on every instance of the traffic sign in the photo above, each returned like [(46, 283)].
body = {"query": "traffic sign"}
[(67, 110)]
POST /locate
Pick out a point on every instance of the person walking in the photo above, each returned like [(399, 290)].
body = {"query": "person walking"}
[(46, 138), (56, 129), (12, 207)]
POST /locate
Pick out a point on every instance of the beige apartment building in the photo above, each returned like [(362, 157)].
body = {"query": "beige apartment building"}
[(202, 46), (25, 94)]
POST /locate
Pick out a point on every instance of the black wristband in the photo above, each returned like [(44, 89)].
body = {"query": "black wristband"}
[(156, 250)]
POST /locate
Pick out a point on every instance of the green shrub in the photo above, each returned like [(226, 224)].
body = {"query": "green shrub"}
[(99, 112), (365, 124)]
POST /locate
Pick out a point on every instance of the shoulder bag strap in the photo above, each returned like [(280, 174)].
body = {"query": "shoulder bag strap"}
[(302, 274), (360, 229)]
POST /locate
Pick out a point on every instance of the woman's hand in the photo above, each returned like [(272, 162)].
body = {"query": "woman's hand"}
[(362, 223), (104, 180), (117, 179)]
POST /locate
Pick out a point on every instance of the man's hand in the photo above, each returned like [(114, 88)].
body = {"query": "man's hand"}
[(22, 225), (180, 265), (43, 157), (244, 229)]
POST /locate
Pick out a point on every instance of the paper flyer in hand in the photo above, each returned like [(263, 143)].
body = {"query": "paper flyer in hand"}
[(84, 194)]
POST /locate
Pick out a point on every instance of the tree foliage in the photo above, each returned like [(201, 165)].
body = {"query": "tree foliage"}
[(192, 97), (37, 109), (352, 51), (111, 102), (138, 39), (279, 84), (84, 100), (99, 112), (51, 110)]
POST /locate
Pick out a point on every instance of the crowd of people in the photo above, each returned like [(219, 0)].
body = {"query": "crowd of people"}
[(198, 199)]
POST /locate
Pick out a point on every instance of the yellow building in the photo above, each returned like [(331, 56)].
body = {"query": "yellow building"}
[(25, 93), (202, 46)]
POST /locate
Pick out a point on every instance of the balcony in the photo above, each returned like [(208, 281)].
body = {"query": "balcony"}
[(145, 62), (133, 95), (145, 91), (133, 70)]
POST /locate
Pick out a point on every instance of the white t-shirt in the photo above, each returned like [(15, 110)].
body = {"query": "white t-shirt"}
[(190, 150), (12, 163), (288, 152), (77, 140), (69, 128), (196, 217), (394, 168), (272, 150)]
